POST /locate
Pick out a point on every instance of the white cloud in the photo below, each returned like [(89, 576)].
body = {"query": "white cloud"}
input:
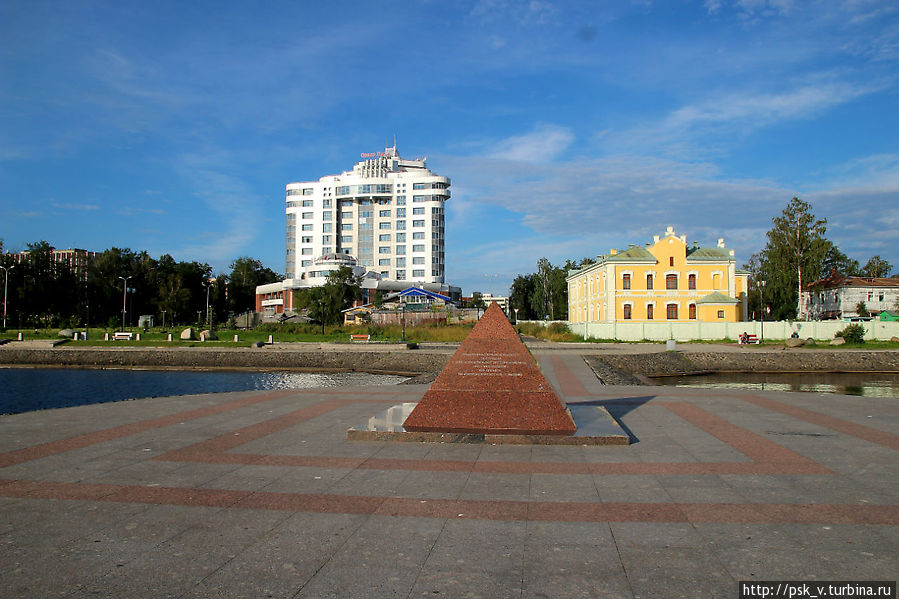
[(543, 143), (73, 206)]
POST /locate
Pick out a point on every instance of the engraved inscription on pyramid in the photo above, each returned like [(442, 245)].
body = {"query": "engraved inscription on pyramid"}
[(491, 385)]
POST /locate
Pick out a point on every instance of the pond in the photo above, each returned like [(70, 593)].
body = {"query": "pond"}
[(863, 384), (27, 389)]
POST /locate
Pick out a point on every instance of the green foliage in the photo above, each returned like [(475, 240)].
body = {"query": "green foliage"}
[(794, 256), (326, 303), (541, 294), (877, 267), (44, 292), (861, 309), (854, 333)]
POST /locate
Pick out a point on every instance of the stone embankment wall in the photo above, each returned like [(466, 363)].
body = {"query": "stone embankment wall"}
[(671, 363), (401, 361)]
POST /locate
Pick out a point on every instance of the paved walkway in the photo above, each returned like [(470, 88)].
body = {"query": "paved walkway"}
[(258, 494)]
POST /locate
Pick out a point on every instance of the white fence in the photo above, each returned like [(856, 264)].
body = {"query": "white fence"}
[(687, 331)]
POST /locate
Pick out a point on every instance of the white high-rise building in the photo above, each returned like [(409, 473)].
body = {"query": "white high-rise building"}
[(387, 213)]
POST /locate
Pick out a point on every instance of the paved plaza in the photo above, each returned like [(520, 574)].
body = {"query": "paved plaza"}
[(260, 494)]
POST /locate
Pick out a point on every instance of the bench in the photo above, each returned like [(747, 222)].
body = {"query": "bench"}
[(751, 339), (365, 338), (121, 336)]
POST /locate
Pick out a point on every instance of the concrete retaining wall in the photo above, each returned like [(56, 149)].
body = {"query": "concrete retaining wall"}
[(687, 331), (795, 360), (400, 361)]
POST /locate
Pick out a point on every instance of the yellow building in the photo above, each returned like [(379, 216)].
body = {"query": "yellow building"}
[(666, 280)]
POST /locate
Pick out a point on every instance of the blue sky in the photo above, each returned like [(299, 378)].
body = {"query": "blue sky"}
[(567, 128)]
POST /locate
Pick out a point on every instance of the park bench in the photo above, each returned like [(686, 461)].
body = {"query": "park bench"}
[(122, 336), (365, 338)]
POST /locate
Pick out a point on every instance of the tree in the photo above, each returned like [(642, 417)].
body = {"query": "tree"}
[(247, 274), (795, 251), (520, 297), (877, 267), (326, 303), (541, 294), (861, 309), (835, 260)]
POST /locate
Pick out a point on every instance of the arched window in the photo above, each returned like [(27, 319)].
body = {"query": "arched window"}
[(692, 311), (691, 281), (671, 310)]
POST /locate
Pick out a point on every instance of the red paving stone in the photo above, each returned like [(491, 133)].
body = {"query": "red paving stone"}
[(762, 513), (764, 457), (491, 385)]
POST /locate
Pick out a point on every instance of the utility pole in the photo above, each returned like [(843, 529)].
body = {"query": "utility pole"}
[(6, 270), (124, 298)]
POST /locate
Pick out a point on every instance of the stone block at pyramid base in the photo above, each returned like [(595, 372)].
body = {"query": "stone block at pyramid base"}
[(494, 412), (491, 385)]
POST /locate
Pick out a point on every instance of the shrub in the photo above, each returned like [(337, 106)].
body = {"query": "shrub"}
[(854, 333)]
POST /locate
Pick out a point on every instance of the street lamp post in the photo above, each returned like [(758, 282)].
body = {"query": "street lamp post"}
[(163, 320), (321, 315), (6, 270), (762, 307), (516, 315), (208, 284), (124, 298), (403, 312)]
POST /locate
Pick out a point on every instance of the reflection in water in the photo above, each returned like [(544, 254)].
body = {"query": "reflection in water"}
[(27, 389), (865, 384)]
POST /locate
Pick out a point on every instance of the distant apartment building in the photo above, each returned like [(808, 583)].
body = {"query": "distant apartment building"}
[(837, 297), (387, 213), (77, 260), (666, 280)]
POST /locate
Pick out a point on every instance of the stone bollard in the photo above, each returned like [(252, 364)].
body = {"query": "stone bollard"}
[(169, 337), (236, 339), (105, 336), (271, 339)]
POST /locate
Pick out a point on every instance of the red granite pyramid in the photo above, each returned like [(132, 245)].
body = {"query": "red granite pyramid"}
[(491, 385)]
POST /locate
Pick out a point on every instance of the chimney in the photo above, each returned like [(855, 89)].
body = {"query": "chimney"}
[(613, 252), (721, 242)]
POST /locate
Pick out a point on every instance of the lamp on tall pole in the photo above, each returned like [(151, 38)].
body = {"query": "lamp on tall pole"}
[(6, 270), (762, 307), (209, 283), (124, 298)]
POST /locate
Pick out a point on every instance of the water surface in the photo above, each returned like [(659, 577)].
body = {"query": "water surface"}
[(27, 389), (864, 384)]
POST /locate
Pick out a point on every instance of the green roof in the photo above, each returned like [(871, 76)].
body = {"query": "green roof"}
[(717, 298), (634, 252), (701, 253)]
